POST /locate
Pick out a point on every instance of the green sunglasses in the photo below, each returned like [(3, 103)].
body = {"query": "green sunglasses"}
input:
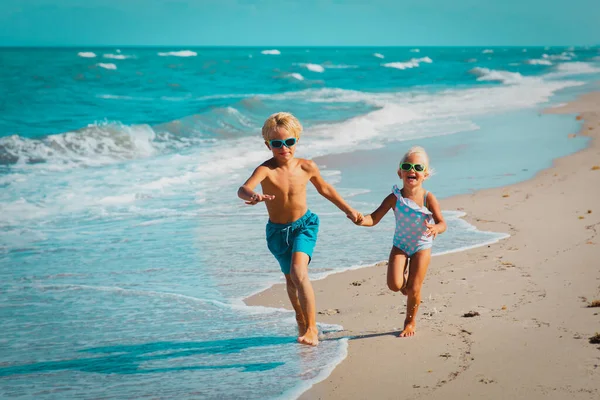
[(408, 166), (277, 143)]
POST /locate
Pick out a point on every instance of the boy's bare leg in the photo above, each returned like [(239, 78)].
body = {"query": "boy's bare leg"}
[(293, 295), (306, 297), (396, 270), (417, 271)]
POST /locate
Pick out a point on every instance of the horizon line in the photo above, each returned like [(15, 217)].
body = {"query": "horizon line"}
[(284, 46)]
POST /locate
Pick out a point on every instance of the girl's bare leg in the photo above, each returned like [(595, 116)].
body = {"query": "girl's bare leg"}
[(306, 297), (396, 269), (418, 265)]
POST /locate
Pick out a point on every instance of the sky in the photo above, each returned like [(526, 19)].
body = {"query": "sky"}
[(299, 22)]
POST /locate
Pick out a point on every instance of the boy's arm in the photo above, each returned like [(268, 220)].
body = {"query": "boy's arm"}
[(328, 191), (246, 191), (440, 223), (376, 216)]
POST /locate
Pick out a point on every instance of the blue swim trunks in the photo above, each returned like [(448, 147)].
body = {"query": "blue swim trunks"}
[(298, 236)]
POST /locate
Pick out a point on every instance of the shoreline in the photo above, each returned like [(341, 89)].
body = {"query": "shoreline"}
[(527, 289)]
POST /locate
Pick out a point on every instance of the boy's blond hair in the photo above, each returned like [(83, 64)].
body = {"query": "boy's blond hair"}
[(282, 120)]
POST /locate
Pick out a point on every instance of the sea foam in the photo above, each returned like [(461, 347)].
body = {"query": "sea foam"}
[(485, 74), (564, 56), (107, 65), (182, 53), (574, 68), (96, 144), (117, 56), (412, 63), (539, 62), (314, 67), (274, 52), (297, 76)]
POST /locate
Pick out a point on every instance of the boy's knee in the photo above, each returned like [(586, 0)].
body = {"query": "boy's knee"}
[(394, 286), (289, 282), (298, 276)]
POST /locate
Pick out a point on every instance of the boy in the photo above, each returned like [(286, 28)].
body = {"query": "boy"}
[(292, 229)]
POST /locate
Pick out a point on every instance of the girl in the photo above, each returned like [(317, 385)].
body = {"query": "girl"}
[(418, 221)]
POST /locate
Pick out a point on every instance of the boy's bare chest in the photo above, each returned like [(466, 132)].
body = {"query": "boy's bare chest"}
[(288, 182)]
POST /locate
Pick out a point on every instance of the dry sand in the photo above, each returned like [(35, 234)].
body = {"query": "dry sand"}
[(531, 339)]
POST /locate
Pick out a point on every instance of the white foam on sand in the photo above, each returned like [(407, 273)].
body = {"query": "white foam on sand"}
[(325, 372)]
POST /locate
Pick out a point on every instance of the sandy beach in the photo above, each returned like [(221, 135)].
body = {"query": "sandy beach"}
[(530, 336)]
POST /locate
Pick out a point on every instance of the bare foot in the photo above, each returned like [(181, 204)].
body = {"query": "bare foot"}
[(301, 326), (409, 330), (310, 337)]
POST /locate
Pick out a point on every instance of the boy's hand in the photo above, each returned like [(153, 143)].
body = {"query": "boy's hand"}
[(432, 230), (359, 219), (355, 217), (257, 198)]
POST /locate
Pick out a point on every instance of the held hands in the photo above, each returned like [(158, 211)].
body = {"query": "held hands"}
[(432, 230), (355, 217), (257, 198)]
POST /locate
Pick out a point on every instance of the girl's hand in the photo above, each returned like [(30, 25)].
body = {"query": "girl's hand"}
[(257, 198), (432, 230)]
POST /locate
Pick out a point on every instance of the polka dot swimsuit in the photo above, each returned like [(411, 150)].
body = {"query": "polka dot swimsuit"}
[(410, 224)]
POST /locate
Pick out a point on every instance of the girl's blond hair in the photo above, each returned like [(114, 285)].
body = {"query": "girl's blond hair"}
[(282, 120), (418, 150)]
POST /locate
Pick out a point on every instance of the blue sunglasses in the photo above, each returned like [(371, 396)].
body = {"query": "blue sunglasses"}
[(278, 143)]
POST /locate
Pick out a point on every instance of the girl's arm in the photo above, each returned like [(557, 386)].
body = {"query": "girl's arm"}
[(374, 218), (440, 224)]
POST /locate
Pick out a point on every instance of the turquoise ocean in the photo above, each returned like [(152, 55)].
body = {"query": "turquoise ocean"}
[(125, 254)]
